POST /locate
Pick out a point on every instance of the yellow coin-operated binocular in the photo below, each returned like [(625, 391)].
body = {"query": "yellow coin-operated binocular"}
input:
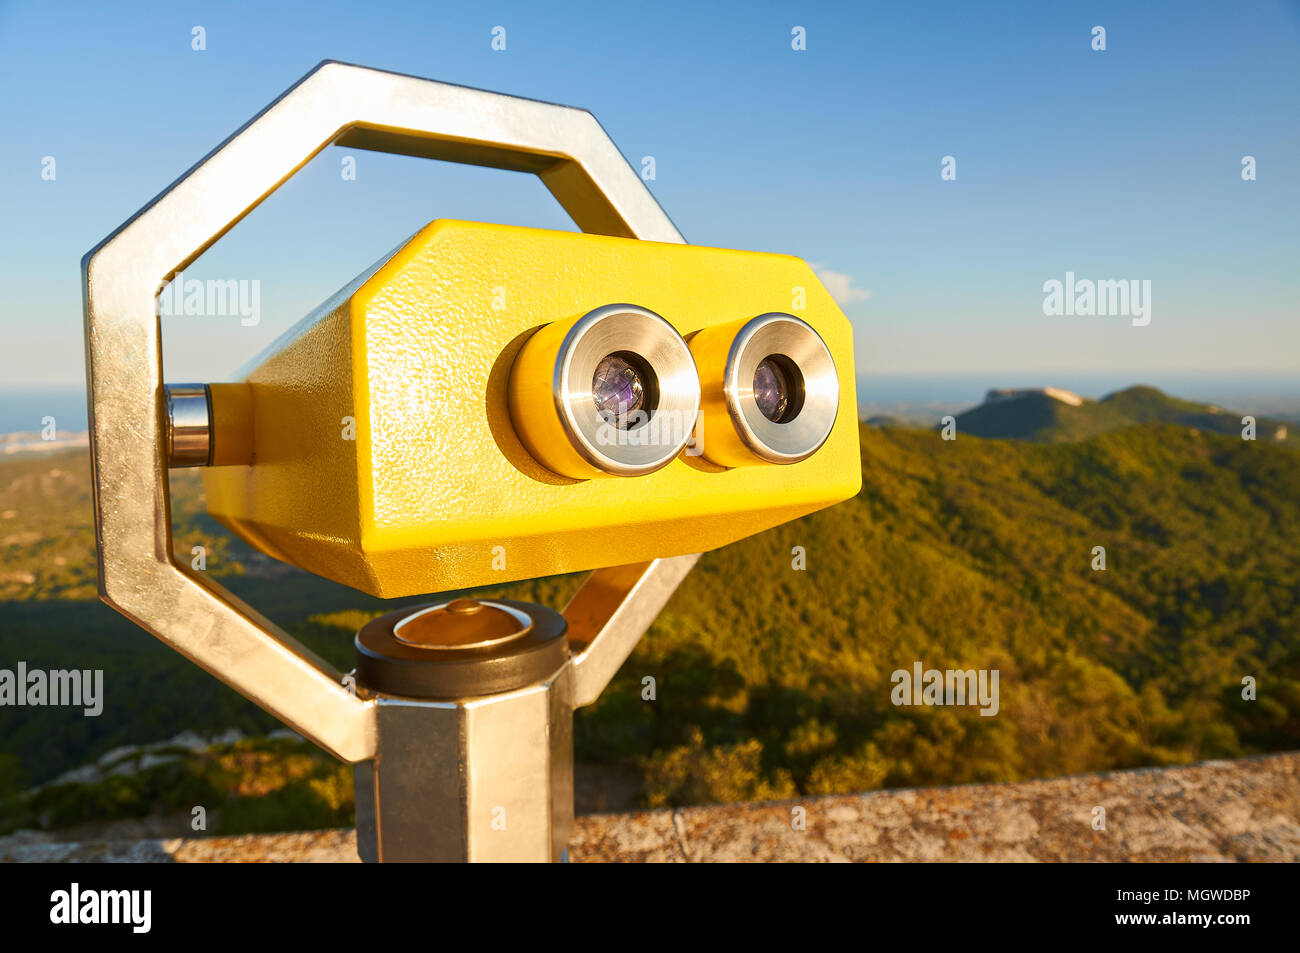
[(486, 403)]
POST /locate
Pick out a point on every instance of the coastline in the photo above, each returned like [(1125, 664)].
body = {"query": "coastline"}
[(31, 441)]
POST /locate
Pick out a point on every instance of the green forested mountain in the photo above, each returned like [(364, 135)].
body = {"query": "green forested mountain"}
[(772, 680), (1042, 418), (977, 554)]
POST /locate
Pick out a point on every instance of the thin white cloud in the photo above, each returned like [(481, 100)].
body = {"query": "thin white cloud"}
[(840, 286)]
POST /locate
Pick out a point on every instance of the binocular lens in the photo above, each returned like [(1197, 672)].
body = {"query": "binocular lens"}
[(619, 391), (777, 389), (771, 391), (613, 391), (622, 385)]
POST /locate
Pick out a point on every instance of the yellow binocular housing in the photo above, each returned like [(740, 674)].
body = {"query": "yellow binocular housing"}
[(492, 403)]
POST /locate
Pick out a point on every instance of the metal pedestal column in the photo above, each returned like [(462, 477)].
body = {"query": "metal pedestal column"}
[(475, 734)]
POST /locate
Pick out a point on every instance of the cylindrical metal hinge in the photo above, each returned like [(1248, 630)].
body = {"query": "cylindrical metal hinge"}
[(209, 425), (189, 425)]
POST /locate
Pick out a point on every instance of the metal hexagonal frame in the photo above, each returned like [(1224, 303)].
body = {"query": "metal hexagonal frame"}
[(335, 103)]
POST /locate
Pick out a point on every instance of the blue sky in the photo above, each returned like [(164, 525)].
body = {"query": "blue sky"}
[(1123, 164)]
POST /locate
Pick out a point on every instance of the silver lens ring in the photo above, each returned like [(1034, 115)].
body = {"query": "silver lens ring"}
[(652, 433), (806, 367)]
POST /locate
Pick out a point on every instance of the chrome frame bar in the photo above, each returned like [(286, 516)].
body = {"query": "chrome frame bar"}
[(335, 103)]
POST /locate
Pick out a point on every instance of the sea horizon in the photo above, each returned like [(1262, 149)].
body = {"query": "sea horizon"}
[(24, 407)]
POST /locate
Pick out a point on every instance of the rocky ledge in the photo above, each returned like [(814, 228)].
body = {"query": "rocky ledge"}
[(1243, 810)]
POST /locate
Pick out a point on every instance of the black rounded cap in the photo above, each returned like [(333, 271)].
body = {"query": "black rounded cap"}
[(441, 661)]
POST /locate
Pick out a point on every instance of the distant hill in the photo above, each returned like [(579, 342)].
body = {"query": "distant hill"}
[(1044, 418), (888, 420)]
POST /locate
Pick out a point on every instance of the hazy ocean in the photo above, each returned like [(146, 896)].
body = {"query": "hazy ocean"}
[(22, 409)]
